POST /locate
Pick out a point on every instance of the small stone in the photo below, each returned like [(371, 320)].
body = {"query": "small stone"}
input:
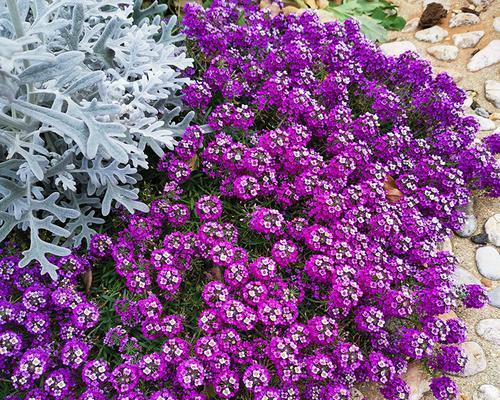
[(468, 227), (481, 4), (481, 238), (411, 26), (432, 15), (470, 10), (488, 262), (468, 101), (492, 228), (490, 55), (468, 39), (492, 92), (418, 381), (476, 360), (397, 48), (432, 35), (489, 329), (496, 24), (463, 19), (494, 296), (463, 277), (487, 392), (482, 112), (495, 116), (472, 93), (444, 52), (486, 282), (485, 124)]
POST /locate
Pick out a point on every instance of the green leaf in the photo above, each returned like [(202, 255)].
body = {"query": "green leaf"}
[(369, 26), (374, 16), (394, 23), (241, 19), (207, 3), (379, 14), (372, 29), (359, 7)]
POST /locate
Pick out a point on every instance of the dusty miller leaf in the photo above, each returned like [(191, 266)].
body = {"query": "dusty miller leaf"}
[(81, 95)]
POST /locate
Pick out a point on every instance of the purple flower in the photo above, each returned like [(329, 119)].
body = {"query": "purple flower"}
[(208, 208), (227, 384), (124, 378), (256, 377), (74, 353), (475, 296), (190, 374), (444, 388)]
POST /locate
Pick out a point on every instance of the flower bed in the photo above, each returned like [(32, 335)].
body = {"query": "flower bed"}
[(294, 251)]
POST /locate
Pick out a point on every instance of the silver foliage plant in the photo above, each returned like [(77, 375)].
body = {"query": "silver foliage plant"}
[(85, 87)]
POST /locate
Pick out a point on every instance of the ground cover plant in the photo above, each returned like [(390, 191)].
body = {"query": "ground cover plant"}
[(293, 250), (87, 88)]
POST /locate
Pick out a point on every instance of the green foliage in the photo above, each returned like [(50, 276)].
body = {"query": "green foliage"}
[(374, 16)]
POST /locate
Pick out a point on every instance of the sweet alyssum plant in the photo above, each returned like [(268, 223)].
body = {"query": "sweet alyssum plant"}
[(294, 251), (85, 88)]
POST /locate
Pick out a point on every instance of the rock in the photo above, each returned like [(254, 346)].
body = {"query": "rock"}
[(432, 35), (468, 39), (468, 101), (463, 19), (494, 296), (485, 124), (476, 360), (488, 262), (496, 24), (481, 4), (397, 48), (492, 92), (492, 228), (418, 381), (444, 52), (482, 112), (411, 26), (487, 392), (469, 226), (482, 238), (463, 277), (471, 10), (486, 282), (489, 329), (490, 55), (432, 15)]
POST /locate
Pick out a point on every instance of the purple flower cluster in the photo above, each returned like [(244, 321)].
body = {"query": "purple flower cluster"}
[(44, 348), (301, 258)]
